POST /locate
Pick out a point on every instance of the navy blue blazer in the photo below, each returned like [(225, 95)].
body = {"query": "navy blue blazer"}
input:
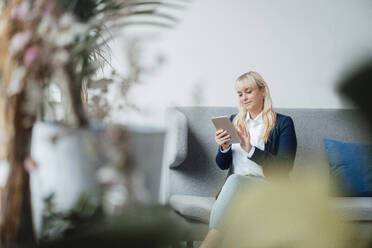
[(280, 149)]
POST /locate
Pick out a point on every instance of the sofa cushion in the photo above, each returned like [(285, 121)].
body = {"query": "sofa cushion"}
[(354, 208), (199, 207), (351, 167), (193, 207)]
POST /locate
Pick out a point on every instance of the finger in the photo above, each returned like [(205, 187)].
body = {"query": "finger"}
[(219, 131), (224, 133), (221, 141), (238, 128), (248, 133), (224, 137), (239, 132), (241, 129), (245, 131)]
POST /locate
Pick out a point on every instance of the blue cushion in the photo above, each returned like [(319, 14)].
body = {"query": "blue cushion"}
[(350, 167)]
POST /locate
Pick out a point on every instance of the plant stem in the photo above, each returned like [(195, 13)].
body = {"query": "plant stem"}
[(74, 95), (15, 213)]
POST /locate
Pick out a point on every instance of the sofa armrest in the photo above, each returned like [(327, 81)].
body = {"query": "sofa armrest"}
[(176, 138)]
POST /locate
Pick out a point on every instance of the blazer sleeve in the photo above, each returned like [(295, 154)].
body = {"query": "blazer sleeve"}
[(224, 160), (286, 152)]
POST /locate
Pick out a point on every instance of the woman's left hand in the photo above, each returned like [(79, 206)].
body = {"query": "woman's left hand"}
[(245, 137)]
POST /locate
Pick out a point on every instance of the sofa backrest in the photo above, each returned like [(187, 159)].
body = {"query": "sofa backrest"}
[(199, 175)]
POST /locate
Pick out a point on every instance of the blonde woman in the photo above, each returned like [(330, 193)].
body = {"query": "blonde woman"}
[(267, 146)]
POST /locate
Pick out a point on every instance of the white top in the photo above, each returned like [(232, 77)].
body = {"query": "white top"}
[(241, 163)]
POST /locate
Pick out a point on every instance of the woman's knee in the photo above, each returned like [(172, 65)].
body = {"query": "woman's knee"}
[(234, 181)]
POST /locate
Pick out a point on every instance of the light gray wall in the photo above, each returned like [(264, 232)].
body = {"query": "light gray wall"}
[(300, 47)]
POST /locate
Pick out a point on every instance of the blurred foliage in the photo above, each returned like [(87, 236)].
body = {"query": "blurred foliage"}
[(357, 86), (57, 224), (87, 9), (296, 214), (138, 226), (91, 50)]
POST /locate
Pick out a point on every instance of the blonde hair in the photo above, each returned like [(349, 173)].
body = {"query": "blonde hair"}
[(254, 80)]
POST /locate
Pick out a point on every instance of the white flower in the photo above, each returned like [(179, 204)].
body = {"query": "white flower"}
[(20, 41), (61, 32), (64, 38), (53, 35), (60, 57), (108, 175), (45, 26), (115, 199), (68, 29), (66, 21), (15, 85), (55, 93), (79, 28)]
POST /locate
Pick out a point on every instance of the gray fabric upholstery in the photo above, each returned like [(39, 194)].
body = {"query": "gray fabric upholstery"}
[(175, 148), (178, 134), (354, 208), (198, 174), (193, 207), (313, 125)]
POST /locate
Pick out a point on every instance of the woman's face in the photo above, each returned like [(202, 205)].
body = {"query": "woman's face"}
[(252, 98)]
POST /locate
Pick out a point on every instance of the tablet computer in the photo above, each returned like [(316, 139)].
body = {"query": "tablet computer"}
[(223, 122)]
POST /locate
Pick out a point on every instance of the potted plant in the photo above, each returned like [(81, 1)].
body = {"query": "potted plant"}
[(44, 43)]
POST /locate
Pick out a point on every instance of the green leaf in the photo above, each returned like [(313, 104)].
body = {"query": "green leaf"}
[(132, 4), (151, 13), (144, 23)]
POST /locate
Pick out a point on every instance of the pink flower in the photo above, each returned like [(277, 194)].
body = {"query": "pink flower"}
[(20, 12), (45, 7), (29, 164), (20, 41), (49, 9), (31, 55)]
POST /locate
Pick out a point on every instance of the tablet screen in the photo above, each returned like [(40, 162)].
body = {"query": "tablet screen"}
[(223, 122)]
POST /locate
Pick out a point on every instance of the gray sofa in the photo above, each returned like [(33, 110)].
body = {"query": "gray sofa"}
[(194, 179)]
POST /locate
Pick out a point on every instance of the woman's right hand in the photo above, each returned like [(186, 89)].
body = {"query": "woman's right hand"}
[(222, 138)]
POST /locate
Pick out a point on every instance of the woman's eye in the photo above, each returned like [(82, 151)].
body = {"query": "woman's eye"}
[(240, 95)]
